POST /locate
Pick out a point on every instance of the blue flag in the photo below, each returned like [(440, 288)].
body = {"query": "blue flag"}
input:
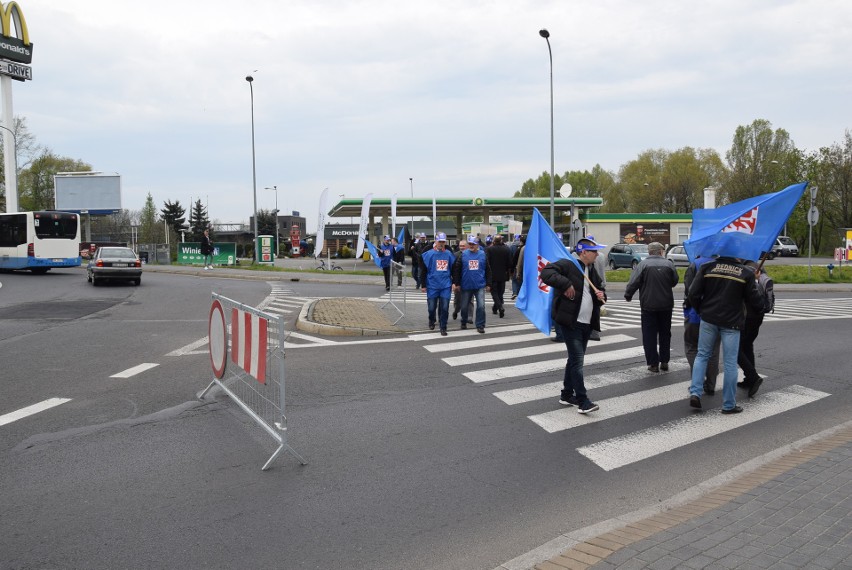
[(372, 249), (401, 237), (743, 229), (542, 247)]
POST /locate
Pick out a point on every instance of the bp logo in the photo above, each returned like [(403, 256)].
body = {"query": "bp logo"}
[(478, 201)]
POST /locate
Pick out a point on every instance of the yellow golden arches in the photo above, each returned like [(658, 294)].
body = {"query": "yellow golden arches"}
[(13, 10)]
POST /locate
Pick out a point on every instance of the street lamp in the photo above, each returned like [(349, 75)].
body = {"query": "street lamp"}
[(411, 180), (249, 78), (546, 35), (277, 234), (12, 177)]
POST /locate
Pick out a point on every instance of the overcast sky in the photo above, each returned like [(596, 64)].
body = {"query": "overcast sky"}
[(360, 96)]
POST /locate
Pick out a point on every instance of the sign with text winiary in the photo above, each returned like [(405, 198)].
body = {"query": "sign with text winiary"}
[(189, 253), (15, 44)]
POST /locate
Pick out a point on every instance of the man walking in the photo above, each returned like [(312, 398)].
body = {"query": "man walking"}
[(517, 267), (691, 328), (417, 249), (472, 276), (399, 259), (457, 294), (722, 287), (207, 249), (748, 335), (436, 272), (499, 259), (579, 297), (386, 251), (655, 277)]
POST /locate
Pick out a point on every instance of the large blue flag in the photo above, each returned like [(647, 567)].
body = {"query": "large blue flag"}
[(372, 249), (542, 247), (743, 229)]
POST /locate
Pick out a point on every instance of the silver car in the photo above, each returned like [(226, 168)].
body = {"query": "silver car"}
[(111, 263), (677, 255)]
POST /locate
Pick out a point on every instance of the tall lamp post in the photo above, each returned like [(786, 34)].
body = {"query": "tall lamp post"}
[(546, 35), (249, 78), (12, 177), (277, 233), (411, 180)]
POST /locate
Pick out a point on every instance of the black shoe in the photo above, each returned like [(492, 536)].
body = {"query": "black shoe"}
[(755, 386), (745, 385), (556, 339), (455, 315), (595, 335), (587, 407), (734, 410), (709, 390), (387, 288), (664, 366), (443, 332), (695, 402), (431, 326), (494, 310), (502, 313), (654, 368), (480, 330), (464, 326), (569, 401)]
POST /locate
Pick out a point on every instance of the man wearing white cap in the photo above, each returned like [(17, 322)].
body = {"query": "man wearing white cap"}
[(436, 272), (579, 296), (472, 276)]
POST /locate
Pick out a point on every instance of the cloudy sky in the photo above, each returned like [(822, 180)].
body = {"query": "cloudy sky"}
[(361, 96)]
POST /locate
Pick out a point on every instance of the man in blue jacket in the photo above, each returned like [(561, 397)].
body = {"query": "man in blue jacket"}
[(436, 274), (386, 251), (472, 276)]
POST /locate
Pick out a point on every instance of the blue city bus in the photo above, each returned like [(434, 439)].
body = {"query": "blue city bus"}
[(39, 241)]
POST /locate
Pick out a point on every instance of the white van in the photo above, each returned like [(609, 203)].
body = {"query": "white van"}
[(784, 247)]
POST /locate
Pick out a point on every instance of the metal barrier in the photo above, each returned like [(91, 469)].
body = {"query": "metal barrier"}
[(252, 371)]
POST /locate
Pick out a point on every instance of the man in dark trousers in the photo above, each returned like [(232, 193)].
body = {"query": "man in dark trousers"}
[(754, 319), (580, 296), (500, 260), (655, 278), (720, 291), (386, 251), (207, 249), (472, 277)]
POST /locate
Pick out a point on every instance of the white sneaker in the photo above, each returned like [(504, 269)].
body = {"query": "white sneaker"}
[(206, 268)]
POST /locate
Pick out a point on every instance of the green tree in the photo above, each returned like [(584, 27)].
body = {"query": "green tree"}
[(35, 183), (198, 221), (150, 230), (26, 149), (755, 153), (174, 215)]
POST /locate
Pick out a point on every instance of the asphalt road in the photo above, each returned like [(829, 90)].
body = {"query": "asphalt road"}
[(411, 464)]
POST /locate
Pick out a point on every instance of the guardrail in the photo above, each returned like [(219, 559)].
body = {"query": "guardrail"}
[(253, 376)]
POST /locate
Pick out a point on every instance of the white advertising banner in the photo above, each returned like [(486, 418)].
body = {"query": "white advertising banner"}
[(362, 227), (323, 208)]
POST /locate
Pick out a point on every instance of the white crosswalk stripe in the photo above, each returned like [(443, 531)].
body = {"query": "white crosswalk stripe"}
[(519, 361)]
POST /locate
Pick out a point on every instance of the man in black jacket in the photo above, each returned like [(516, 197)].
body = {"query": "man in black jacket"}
[(579, 296), (655, 277), (500, 260), (720, 291)]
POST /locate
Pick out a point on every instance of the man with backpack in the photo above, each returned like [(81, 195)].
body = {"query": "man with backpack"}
[(753, 320)]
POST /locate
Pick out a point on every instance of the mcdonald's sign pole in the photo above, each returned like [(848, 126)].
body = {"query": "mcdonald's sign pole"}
[(16, 49)]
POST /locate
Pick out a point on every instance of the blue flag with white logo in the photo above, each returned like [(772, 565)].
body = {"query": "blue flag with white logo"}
[(744, 229), (542, 247), (374, 252)]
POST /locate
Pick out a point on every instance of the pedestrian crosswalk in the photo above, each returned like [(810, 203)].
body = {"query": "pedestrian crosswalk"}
[(283, 301), (516, 355)]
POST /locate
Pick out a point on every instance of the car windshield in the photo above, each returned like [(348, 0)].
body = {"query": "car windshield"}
[(639, 248), (118, 253), (786, 241)]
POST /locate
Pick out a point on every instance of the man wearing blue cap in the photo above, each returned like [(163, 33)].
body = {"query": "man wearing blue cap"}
[(386, 251), (436, 273), (579, 296), (472, 276)]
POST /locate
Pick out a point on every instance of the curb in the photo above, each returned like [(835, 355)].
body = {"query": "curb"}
[(775, 462), (305, 323)]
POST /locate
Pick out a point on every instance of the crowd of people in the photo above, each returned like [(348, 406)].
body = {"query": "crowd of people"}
[(724, 303)]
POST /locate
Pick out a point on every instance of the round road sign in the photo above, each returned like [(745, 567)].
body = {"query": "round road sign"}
[(217, 336)]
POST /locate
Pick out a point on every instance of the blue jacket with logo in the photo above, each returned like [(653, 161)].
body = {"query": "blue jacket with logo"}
[(438, 267), (471, 270)]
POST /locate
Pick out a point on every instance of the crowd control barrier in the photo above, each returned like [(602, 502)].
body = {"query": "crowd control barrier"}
[(247, 356)]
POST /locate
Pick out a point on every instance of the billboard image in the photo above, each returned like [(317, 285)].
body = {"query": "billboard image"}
[(645, 233)]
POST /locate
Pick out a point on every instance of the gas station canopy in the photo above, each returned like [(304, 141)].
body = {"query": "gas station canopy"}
[(462, 206)]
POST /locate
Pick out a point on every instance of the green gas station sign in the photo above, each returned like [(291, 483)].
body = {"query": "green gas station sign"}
[(189, 253)]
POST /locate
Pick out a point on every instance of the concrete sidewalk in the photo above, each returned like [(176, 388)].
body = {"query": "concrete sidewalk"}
[(791, 508)]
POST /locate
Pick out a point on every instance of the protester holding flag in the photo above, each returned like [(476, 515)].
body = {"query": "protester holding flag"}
[(386, 251), (691, 328), (721, 289), (472, 276), (436, 267), (579, 295)]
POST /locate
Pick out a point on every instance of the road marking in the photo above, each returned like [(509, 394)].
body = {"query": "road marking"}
[(456, 333), (568, 417), (191, 348), (135, 370), (30, 410), (624, 450), (543, 348), (534, 368), (552, 389)]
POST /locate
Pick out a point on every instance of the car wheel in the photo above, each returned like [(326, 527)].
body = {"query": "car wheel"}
[(612, 264), (137, 281), (88, 277), (95, 281)]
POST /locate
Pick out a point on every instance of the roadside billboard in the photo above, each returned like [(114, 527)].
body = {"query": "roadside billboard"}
[(189, 253)]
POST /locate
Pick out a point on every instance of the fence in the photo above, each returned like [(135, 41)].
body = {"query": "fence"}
[(253, 376)]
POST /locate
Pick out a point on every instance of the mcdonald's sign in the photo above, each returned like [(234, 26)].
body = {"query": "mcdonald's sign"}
[(16, 47)]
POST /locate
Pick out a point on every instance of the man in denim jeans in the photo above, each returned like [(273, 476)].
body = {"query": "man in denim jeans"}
[(578, 298), (720, 291)]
